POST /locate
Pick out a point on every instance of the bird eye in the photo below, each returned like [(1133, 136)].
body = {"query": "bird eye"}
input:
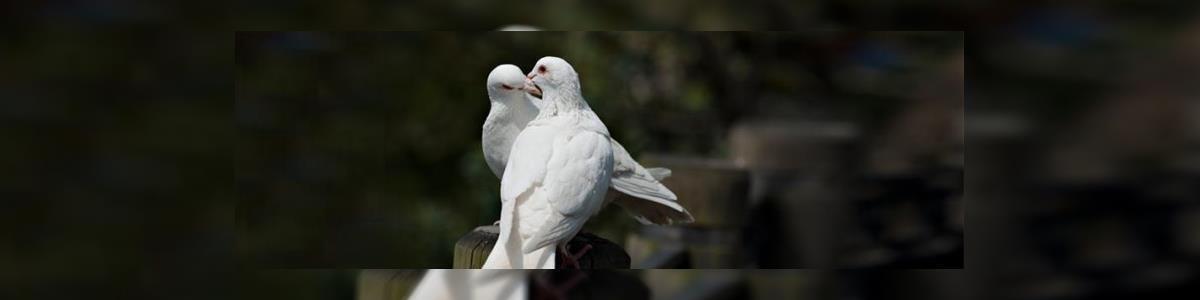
[(505, 86), (541, 69)]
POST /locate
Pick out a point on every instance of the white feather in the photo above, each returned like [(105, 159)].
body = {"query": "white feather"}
[(659, 173)]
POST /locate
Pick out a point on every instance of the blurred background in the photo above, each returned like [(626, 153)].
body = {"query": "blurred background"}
[(1080, 124), (793, 150)]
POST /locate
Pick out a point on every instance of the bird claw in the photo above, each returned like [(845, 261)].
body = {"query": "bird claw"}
[(547, 289), (573, 259)]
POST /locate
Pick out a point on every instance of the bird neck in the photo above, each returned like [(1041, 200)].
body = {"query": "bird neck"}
[(517, 105), (563, 100)]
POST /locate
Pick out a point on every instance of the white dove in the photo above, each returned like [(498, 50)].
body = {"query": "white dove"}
[(513, 108), (557, 174)]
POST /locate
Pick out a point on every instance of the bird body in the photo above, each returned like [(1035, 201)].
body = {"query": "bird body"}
[(554, 188), (513, 109)]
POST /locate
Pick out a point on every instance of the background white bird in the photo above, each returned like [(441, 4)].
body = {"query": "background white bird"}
[(557, 174), (512, 108)]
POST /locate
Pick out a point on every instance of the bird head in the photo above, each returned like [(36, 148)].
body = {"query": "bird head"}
[(507, 81), (553, 74)]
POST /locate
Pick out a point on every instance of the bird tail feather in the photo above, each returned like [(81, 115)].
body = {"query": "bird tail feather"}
[(659, 173), (507, 252), (542, 258), (650, 201)]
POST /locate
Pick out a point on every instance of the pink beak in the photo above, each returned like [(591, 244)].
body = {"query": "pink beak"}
[(531, 88)]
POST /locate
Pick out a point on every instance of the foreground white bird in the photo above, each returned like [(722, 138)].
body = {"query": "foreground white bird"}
[(557, 173), (513, 108)]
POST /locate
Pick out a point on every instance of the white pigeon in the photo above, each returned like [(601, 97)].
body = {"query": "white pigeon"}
[(513, 108), (557, 174)]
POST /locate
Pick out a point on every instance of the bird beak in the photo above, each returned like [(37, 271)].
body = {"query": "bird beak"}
[(532, 89)]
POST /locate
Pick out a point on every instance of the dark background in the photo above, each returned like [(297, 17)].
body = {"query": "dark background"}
[(362, 149), (120, 130)]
